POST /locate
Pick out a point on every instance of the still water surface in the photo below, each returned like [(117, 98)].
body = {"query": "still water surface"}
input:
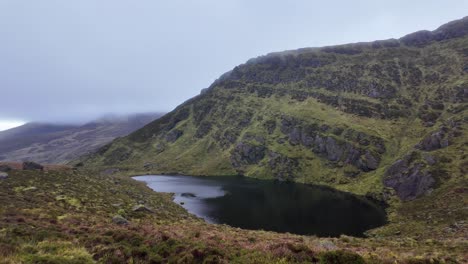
[(271, 205)]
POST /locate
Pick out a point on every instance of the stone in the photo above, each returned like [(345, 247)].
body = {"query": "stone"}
[(431, 160), (120, 220), (5, 168), (142, 208), (110, 171), (3, 175), (30, 165)]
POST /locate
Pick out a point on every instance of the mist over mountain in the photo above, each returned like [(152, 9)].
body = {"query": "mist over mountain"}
[(59, 143)]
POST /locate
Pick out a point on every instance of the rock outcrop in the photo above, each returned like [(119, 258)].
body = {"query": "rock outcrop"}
[(442, 137), (5, 168), (328, 143), (246, 153), (120, 220), (409, 177), (29, 165), (339, 116), (283, 167)]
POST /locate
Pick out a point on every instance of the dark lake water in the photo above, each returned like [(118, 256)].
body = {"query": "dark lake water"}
[(271, 205)]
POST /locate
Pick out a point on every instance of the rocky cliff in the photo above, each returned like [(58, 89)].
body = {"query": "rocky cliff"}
[(386, 118)]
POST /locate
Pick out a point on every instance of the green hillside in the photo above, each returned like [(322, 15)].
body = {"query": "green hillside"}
[(387, 119)]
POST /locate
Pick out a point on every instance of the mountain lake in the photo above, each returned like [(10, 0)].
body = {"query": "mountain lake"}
[(271, 205)]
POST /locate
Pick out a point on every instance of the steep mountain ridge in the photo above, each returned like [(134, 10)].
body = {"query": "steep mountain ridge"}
[(56, 143), (386, 119)]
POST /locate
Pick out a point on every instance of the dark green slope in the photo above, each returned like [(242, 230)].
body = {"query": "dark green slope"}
[(386, 118)]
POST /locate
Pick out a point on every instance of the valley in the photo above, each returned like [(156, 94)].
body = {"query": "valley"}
[(354, 153)]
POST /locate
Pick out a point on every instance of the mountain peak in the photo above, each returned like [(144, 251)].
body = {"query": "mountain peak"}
[(453, 29)]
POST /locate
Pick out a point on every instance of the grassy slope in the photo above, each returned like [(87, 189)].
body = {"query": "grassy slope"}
[(65, 217), (272, 87)]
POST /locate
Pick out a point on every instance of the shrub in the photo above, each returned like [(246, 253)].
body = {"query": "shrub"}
[(340, 257)]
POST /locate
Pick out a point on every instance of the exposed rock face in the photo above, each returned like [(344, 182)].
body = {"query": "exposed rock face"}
[(282, 166), (174, 135), (29, 165), (440, 138), (334, 148), (436, 140), (118, 155), (246, 153), (409, 178), (328, 114)]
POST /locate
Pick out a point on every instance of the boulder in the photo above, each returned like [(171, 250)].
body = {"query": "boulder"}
[(110, 171), (142, 208), (30, 165), (432, 142), (3, 175), (120, 220), (440, 138), (5, 168)]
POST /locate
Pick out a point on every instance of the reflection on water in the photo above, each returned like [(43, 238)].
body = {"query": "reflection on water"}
[(271, 205)]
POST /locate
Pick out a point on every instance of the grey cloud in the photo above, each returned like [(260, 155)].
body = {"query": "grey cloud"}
[(74, 60)]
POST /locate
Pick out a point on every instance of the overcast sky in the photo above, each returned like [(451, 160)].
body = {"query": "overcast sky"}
[(77, 60)]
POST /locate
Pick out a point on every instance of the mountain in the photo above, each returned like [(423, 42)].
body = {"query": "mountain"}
[(387, 119), (56, 143)]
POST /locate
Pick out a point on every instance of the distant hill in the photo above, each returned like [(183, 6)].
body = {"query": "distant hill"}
[(60, 143)]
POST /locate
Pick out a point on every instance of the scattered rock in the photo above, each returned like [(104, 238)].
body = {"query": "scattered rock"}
[(110, 171), (188, 195), (29, 165), (441, 138), (327, 245), (120, 220), (142, 208), (149, 166), (32, 189), (5, 168), (3, 175)]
